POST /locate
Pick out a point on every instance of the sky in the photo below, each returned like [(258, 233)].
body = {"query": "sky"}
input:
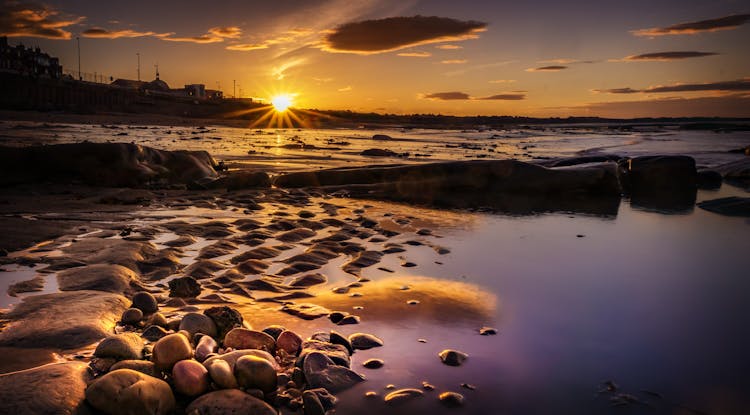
[(537, 58)]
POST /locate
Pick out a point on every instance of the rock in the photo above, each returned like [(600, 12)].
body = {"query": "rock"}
[(373, 363), (169, 350), (98, 277), (190, 378), (709, 179), (145, 302), (325, 398), (126, 392), (350, 319), (289, 342), (309, 280), (381, 137), (221, 374), (306, 311), (253, 372), (226, 318), (378, 152), (50, 389), (452, 357), (311, 404), (229, 402), (336, 316), (658, 172), (66, 320), (336, 352), (241, 338), (232, 357), (184, 287), (274, 331), (102, 364), (132, 316), (153, 333), (121, 346), (195, 323), (400, 396), (206, 345), (730, 206), (451, 399), (337, 338), (158, 319), (736, 172), (364, 341), (321, 372), (144, 366)]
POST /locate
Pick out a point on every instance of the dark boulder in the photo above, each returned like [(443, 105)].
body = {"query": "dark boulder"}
[(184, 287)]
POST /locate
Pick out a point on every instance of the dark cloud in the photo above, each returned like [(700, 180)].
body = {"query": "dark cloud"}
[(455, 96), (721, 86), (101, 33), (448, 96), (668, 56), (214, 35), (689, 28), (505, 97), (551, 68), (35, 20), (393, 33)]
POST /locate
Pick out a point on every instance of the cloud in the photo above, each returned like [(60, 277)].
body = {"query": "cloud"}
[(101, 33), (447, 96), (668, 56), (214, 35), (449, 47), (720, 86), (691, 28), (454, 61), (244, 47), (34, 20), (231, 32), (456, 96), (288, 36), (551, 68), (415, 54), (502, 81), (280, 72), (506, 97), (345, 89), (394, 33)]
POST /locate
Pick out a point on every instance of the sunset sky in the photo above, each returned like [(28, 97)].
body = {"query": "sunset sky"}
[(534, 58)]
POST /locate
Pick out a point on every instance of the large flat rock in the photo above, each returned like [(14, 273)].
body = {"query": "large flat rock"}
[(66, 320), (51, 389)]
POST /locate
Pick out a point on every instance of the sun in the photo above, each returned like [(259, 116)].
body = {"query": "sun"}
[(281, 102)]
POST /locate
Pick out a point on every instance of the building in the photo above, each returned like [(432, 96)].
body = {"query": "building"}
[(27, 61)]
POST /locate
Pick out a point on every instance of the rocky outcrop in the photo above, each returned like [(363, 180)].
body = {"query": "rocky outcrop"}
[(50, 389)]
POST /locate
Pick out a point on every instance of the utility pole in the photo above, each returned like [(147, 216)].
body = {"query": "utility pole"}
[(139, 65), (234, 88), (78, 40)]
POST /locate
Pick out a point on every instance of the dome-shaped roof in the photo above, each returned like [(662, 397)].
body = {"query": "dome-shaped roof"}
[(157, 84)]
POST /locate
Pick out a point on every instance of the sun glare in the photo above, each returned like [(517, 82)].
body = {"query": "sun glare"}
[(281, 102)]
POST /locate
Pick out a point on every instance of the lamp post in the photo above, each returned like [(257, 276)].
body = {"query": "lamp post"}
[(78, 41)]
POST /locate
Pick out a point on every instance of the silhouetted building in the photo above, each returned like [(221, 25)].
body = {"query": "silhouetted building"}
[(27, 61)]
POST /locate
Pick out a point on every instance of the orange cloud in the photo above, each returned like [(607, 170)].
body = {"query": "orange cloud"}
[(461, 96), (668, 56), (101, 33), (394, 33), (691, 28), (551, 68), (720, 86), (32, 20), (415, 54), (449, 47), (454, 61)]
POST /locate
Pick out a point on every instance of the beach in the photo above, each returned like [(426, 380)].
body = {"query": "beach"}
[(519, 249)]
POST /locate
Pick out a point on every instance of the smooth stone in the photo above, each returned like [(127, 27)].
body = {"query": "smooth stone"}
[(402, 395), (145, 302), (336, 316), (127, 392), (321, 372), (373, 363), (153, 333), (121, 346), (311, 404), (184, 287), (232, 357), (253, 372), (169, 350), (34, 391), (144, 366), (206, 345), (452, 357), (487, 331), (195, 323), (364, 341), (158, 319), (336, 352), (229, 402), (451, 399), (190, 378), (289, 342), (350, 319), (337, 338), (241, 338), (221, 374), (225, 318), (274, 331), (131, 316)]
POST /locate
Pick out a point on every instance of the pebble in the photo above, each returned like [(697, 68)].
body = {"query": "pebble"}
[(402, 395), (121, 347), (451, 399), (126, 391), (321, 372), (131, 316), (487, 331), (336, 317), (221, 373), (274, 331), (241, 338), (145, 302), (290, 342), (157, 319), (253, 372), (468, 386), (195, 323), (169, 350), (206, 345), (350, 319), (229, 401), (364, 341), (427, 386), (337, 338), (371, 394), (225, 318), (452, 357), (190, 378), (153, 333), (373, 363), (312, 404), (144, 366), (412, 302)]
